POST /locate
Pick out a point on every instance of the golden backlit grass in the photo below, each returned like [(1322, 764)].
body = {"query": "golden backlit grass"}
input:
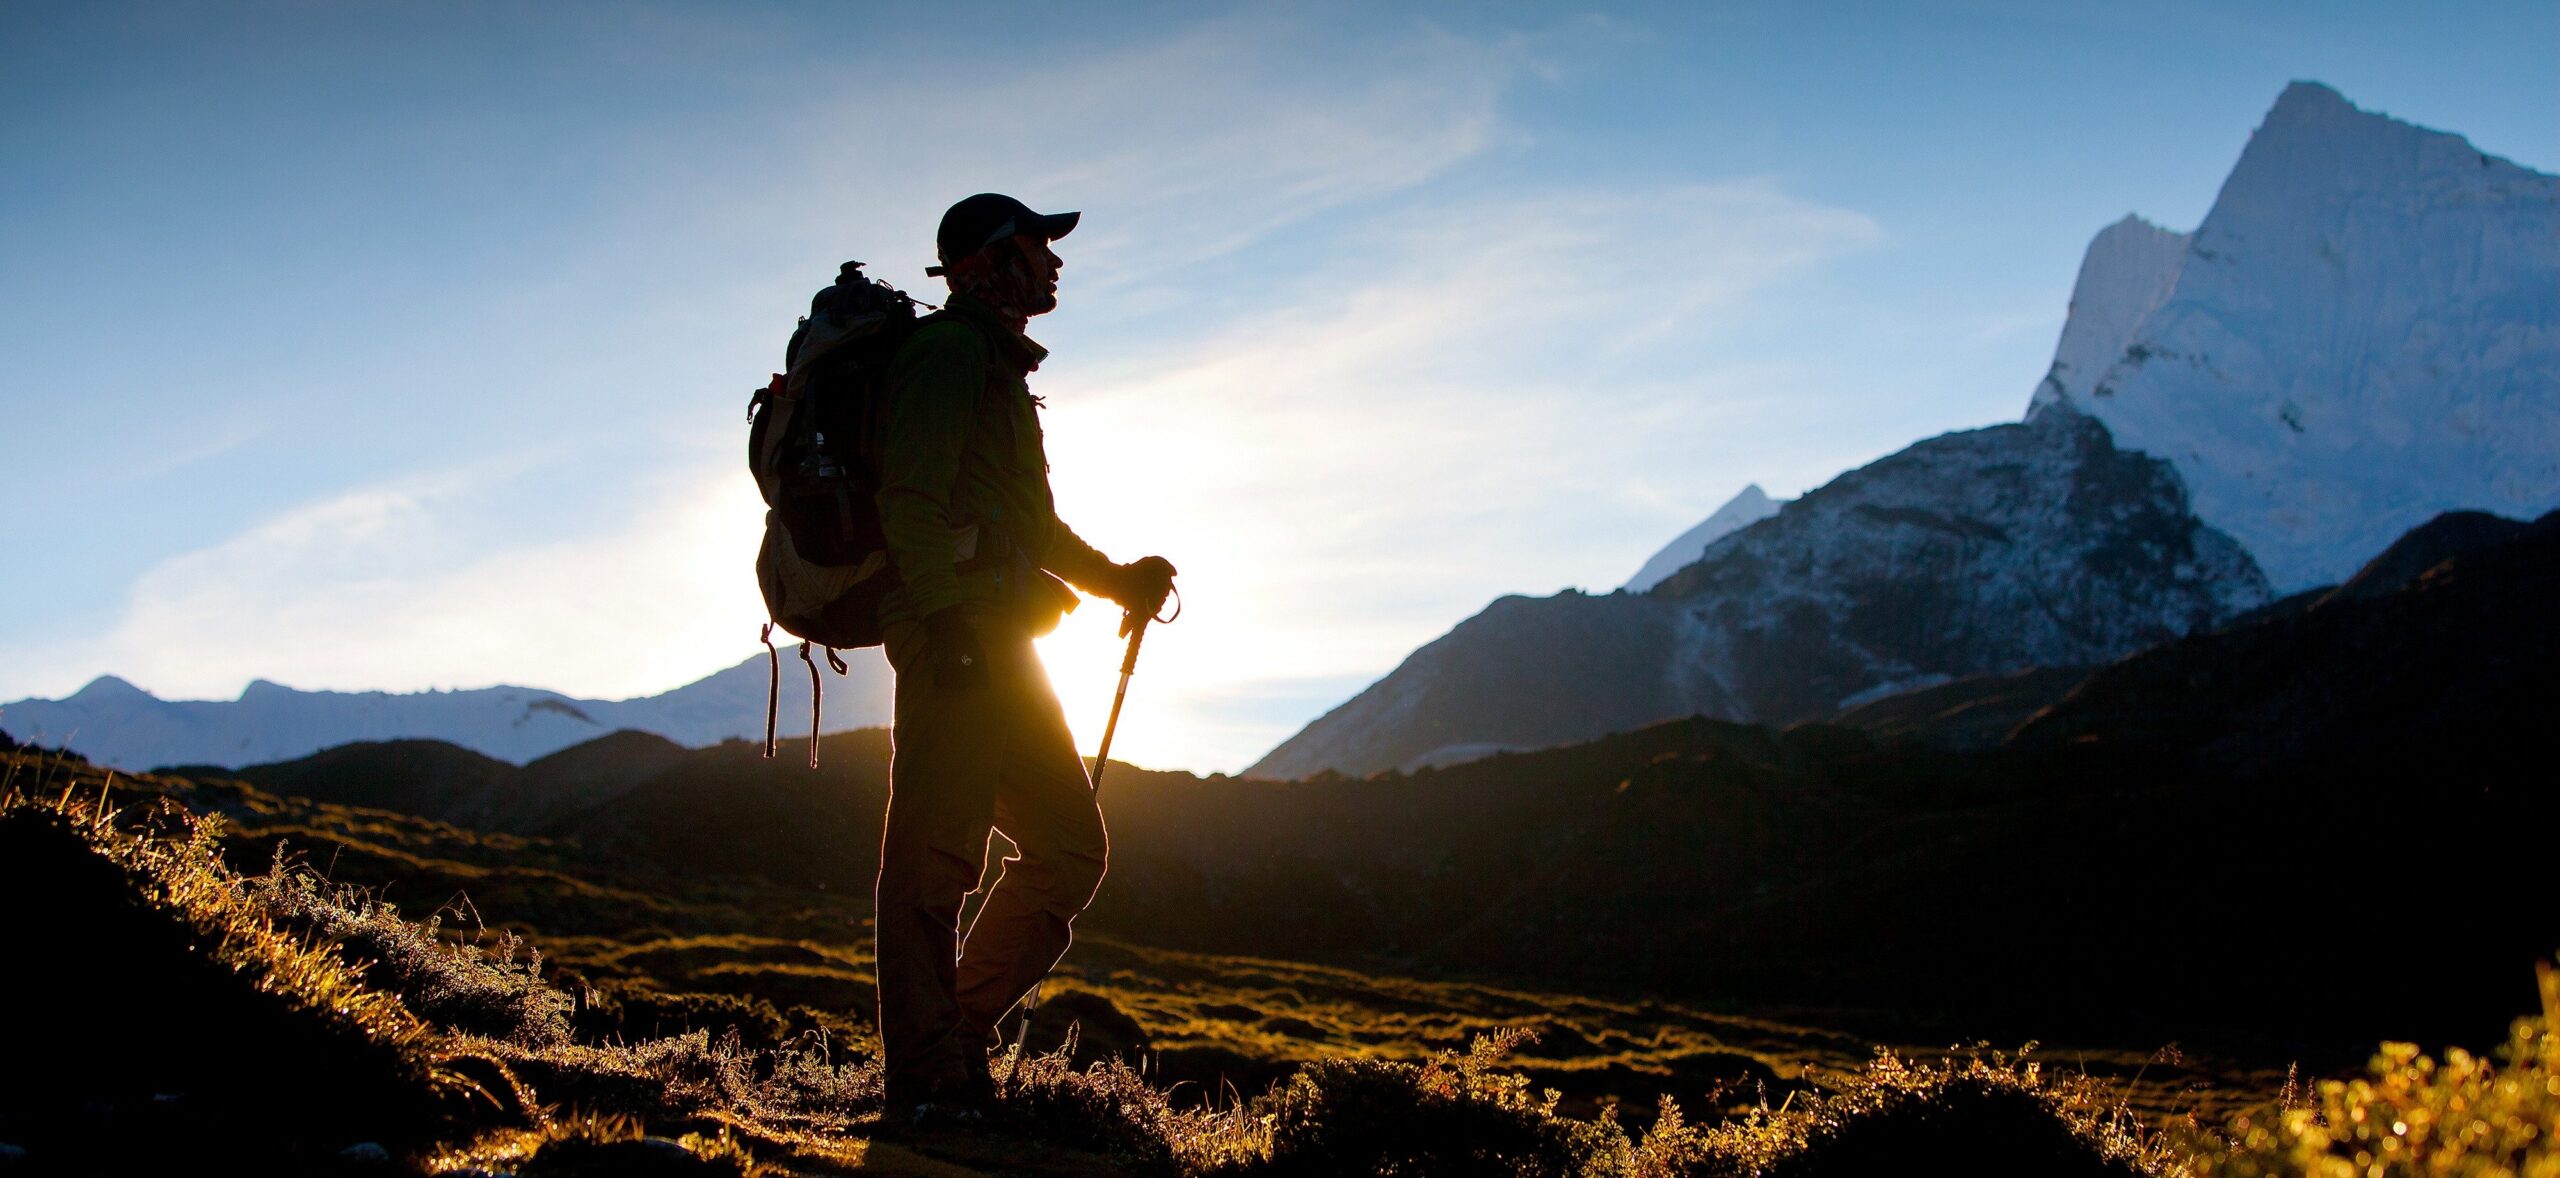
[(1376, 1075), (2415, 1115)]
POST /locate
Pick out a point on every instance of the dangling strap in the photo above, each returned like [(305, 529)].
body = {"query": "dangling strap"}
[(836, 661), (772, 686), (814, 695)]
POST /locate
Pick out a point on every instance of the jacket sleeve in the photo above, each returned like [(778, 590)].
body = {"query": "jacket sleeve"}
[(1080, 563), (934, 387)]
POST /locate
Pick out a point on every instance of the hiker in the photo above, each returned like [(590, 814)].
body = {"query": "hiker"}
[(979, 741)]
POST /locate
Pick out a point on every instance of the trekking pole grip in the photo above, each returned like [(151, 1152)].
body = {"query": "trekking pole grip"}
[(1137, 634)]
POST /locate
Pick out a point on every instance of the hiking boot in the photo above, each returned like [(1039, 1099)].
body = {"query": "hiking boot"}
[(927, 1116), (977, 1082), (962, 1096)]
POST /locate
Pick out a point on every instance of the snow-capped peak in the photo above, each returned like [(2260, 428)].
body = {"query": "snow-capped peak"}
[(2128, 271), (1747, 508), (2363, 333)]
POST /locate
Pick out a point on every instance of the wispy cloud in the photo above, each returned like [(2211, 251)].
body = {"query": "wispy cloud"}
[(424, 582), (1186, 149)]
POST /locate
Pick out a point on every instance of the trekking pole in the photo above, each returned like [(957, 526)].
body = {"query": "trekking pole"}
[(1137, 623), (1128, 667)]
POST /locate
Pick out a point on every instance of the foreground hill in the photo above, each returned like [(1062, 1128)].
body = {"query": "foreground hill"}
[(223, 1029), (282, 1023)]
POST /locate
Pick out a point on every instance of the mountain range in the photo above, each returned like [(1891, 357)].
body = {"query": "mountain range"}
[(2363, 332), (116, 723)]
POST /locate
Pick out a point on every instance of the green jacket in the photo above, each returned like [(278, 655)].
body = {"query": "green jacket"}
[(962, 446)]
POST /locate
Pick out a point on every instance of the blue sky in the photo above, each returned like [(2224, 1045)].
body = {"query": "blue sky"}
[(405, 345)]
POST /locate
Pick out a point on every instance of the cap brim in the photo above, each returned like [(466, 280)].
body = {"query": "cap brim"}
[(1053, 226)]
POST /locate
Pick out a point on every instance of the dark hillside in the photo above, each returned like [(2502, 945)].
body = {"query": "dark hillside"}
[(1980, 712), (728, 810), (579, 778), (1972, 713), (425, 777), (148, 1017), (2455, 533), (2454, 672)]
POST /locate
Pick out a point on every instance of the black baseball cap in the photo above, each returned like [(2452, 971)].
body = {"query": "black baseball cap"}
[(988, 217)]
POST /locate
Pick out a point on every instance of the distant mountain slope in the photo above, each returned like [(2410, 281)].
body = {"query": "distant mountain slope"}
[(115, 723), (2364, 332), (579, 778), (1984, 551), (1739, 512), (424, 777), (2453, 534), (1525, 673), (2393, 674), (1983, 711)]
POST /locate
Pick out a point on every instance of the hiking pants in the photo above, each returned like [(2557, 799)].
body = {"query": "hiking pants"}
[(963, 762)]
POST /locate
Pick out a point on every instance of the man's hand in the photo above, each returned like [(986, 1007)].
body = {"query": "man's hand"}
[(951, 647), (1140, 587)]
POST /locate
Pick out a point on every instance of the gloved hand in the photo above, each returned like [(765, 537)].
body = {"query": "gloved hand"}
[(952, 649), (1140, 587)]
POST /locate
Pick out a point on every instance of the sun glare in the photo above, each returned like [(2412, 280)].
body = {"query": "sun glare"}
[(1083, 658)]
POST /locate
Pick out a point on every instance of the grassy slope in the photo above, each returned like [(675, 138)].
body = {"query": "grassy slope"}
[(457, 1050)]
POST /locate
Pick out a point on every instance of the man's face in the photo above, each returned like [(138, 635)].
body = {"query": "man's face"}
[(1036, 282)]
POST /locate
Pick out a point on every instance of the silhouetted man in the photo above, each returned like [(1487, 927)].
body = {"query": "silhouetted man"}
[(980, 741)]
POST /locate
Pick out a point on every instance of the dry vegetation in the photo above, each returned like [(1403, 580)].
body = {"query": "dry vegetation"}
[(279, 1018)]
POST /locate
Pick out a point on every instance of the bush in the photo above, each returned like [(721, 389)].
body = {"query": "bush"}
[(1455, 1116), (2414, 1115)]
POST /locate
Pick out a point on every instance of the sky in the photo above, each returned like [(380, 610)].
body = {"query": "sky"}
[(406, 345)]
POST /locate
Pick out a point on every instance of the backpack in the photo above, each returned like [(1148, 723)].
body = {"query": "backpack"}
[(812, 445)]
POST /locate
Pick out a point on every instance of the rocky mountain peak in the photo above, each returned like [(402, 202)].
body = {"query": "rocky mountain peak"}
[(2126, 273), (2363, 332), (106, 688)]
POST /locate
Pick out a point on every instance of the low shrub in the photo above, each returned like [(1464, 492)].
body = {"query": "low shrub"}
[(1456, 1115), (455, 983), (1984, 1114), (2412, 1115)]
